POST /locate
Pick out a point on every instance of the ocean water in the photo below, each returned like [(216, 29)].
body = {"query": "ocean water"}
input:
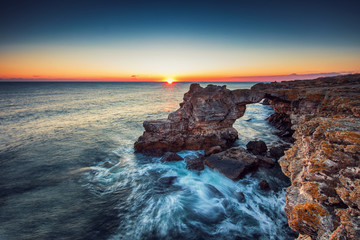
[(68, 170)]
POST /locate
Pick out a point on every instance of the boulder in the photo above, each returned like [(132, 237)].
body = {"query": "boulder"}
[(257, 147), (264, 185), (195, 163), (171, 157), (234, 163)]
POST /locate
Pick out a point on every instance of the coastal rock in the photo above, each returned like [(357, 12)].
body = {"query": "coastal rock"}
[(264, 185), (266, 101), (204, 120), (171, 157), (324, 168), (257, 147), (321, 117), (236, 162), (195, 163), (323, 164), (212, 150), (277, 152)]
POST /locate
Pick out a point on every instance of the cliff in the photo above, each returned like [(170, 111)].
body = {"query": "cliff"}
[(323, 164), (321, 117)]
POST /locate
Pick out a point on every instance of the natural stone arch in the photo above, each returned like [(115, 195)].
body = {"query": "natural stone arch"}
[(205, 119)]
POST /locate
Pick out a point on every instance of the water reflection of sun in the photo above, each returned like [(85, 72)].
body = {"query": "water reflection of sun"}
[(170, 89)]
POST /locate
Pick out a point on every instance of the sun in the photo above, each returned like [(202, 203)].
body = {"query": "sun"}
[(169, 80)]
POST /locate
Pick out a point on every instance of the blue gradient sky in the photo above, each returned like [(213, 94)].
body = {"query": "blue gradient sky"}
[(181, 39)]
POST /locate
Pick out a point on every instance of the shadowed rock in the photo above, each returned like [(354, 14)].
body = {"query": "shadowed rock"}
[(257, 147), (195, 163), (171, 157), (277, 152), (264, 185), (234, 163)]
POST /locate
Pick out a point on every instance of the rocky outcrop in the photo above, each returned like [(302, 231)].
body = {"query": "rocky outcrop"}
[(257, 147), (204, 120), (323, 164), (236, 162), (321, 117)]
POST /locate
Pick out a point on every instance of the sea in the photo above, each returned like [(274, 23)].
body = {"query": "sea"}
[(68, 169)]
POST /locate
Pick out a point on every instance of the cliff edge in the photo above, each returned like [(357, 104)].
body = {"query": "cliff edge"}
[(321, 117)]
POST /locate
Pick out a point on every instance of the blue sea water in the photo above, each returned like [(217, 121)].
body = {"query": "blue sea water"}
[(68, 170)]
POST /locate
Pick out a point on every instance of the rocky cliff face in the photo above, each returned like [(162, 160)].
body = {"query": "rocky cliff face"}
[(204, 120), (323, 163)]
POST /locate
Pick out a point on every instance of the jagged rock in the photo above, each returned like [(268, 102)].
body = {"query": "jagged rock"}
[(204, 120), (323, 164), (212, 150), (277, 152), (264, 185), (195, 163), (282, 122), (257, 147), (234, 163), (324, 168), (266, 101), (322, 201), (171, 157)]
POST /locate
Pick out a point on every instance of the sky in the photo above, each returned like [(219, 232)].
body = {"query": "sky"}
[(134, 40)]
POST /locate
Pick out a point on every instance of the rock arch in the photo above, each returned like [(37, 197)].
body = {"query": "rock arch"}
[(205, 119)]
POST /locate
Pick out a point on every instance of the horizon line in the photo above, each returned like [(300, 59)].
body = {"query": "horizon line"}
[(131, 79)]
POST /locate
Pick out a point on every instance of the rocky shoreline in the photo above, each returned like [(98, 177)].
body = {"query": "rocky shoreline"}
[(321, 117)]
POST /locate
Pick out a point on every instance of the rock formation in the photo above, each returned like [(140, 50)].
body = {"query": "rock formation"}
[(323, 163), (236, 162), (204, 120)]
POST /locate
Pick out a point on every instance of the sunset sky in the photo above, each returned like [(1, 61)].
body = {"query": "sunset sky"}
[(185, 40)]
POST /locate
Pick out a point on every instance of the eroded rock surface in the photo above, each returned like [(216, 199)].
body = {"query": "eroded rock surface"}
[(204, 120), (323, 164), (236, 162)]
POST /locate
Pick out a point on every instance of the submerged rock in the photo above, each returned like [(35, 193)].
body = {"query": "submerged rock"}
[(167, 181), (257, 147), (240, 196), (171, 157)]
